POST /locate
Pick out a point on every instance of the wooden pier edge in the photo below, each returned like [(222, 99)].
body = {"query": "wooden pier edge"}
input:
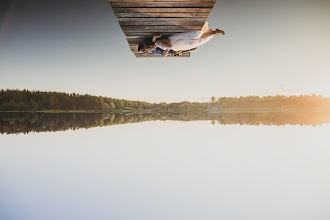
[(140, 19)]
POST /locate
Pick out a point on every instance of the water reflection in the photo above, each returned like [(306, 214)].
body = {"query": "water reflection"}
[(164, 169), (13, 123)]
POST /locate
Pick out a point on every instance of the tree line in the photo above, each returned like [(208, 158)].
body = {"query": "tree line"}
[(25, 100)]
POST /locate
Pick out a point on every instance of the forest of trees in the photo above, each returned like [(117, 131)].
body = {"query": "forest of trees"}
[(25, 100), (25, 122)]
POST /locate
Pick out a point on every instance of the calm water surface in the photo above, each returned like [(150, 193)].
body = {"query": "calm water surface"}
[(161, 170)]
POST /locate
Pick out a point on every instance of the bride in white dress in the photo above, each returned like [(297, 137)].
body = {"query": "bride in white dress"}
[(182, 41)]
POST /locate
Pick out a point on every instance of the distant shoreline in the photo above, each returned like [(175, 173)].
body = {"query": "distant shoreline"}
[(57, 102), (226, 110)]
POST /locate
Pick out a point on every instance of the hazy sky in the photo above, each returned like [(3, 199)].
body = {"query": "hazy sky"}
[(271, 47)]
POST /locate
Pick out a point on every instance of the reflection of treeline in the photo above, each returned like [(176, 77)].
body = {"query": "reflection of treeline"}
[(272, 118), (13, 123), (276, 103), (25, 122), (25, 100)]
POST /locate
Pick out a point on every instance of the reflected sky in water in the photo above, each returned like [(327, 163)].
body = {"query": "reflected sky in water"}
[(167, 170)]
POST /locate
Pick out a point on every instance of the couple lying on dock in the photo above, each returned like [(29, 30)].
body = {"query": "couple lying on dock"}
[(179, 43)]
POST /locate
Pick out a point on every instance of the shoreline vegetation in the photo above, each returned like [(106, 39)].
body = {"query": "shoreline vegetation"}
[(58, 102), (228, 110), (23, 111)]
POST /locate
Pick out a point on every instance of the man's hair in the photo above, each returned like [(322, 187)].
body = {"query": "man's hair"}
[(141, 46), (146, 44)]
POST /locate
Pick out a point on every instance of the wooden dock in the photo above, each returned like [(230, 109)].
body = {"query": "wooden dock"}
[(140, 19)]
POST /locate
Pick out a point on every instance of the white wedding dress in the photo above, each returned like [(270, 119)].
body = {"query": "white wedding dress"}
[(189, 40)]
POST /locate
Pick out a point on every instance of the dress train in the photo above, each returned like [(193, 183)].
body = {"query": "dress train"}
[(190, 40)]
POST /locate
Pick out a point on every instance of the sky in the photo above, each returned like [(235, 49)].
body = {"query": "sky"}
[(271, 47)]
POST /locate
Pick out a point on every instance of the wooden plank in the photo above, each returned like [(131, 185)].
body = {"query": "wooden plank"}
[(144, 36), (158, 55), (135, 50), (161, 10), (162, 15), (138, 39), (148, 34), (168, 27), (201, 1), (151, 32), (169, 20), (164, 57), (135, 40), (133, 45), (164, 23), (139, 53), (166, 4), (155, 55)]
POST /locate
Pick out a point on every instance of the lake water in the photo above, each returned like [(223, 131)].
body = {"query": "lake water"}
[(161, 170)]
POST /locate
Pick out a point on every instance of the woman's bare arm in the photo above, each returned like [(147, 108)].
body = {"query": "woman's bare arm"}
[(165, 43), (155, 36)]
